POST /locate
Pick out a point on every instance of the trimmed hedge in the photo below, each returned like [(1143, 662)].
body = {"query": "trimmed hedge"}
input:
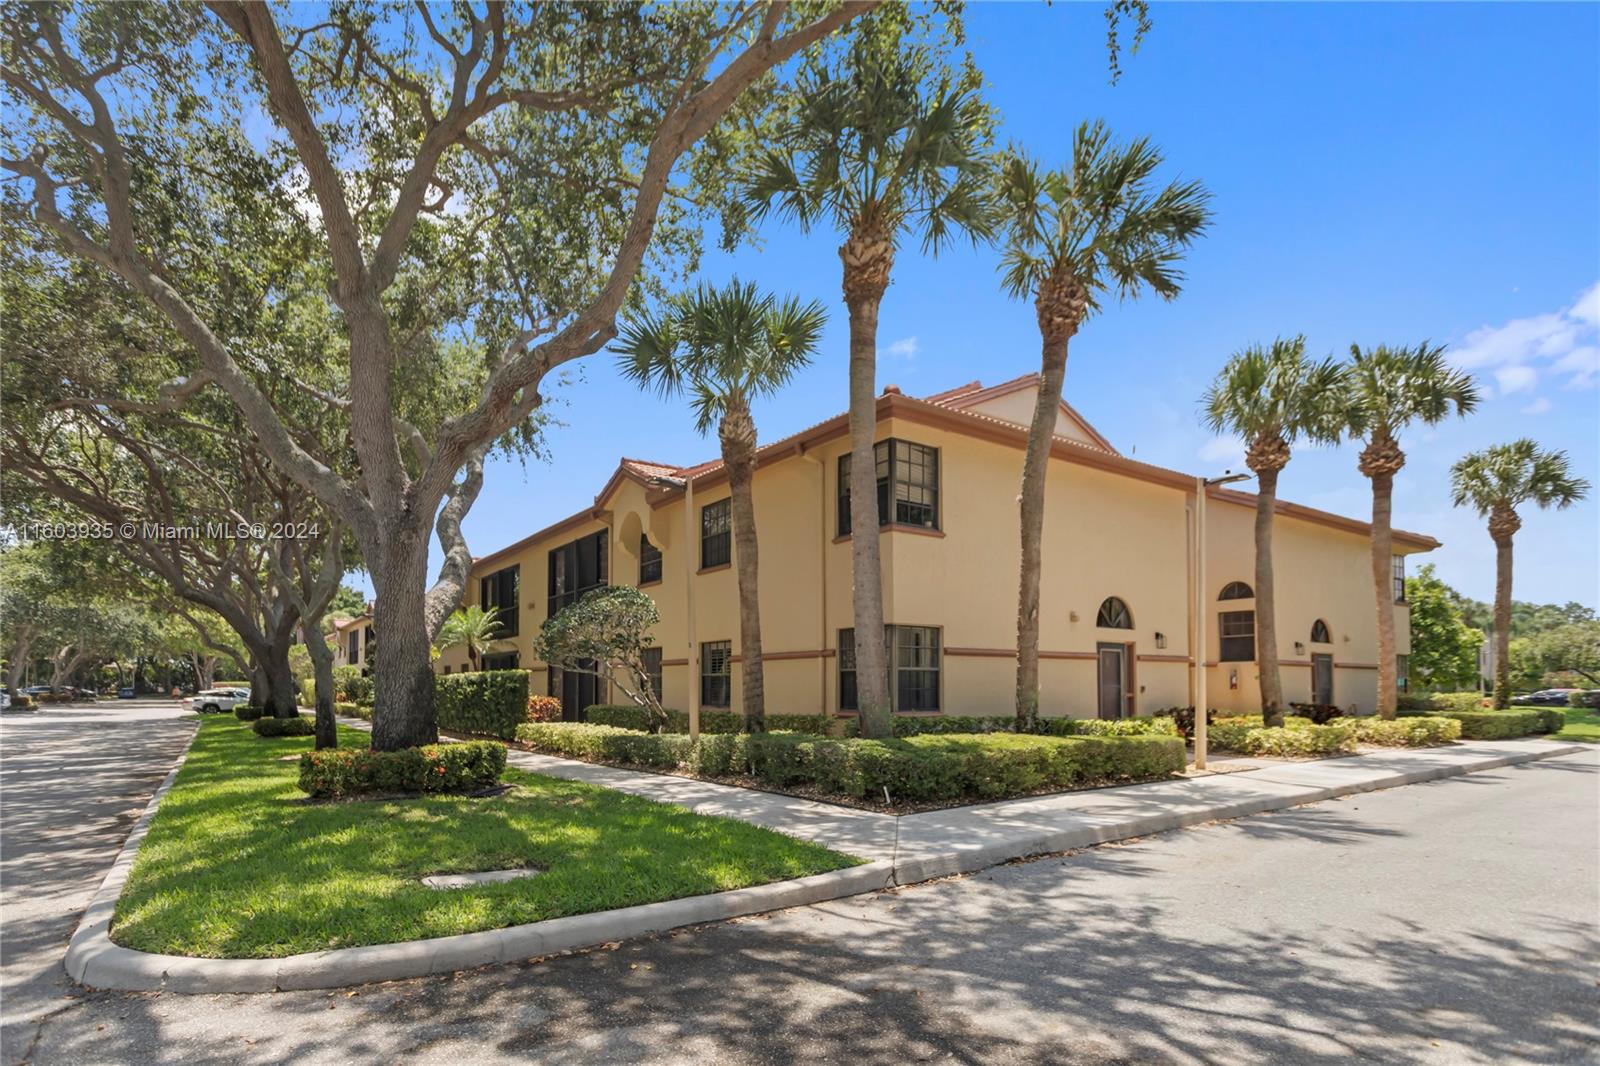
[(926, 768), (489, 702), (462, 767), (1440, 701), (1297, 736), (246, 713), (1412, 731), (1318, 713), (1504, 725), (1581, 699), (632, 716), (352, 710), (300, 725)]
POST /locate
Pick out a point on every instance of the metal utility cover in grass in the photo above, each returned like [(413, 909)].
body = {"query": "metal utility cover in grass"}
[(487, 877)]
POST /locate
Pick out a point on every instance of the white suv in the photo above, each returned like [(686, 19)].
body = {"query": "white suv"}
[(213, 700)]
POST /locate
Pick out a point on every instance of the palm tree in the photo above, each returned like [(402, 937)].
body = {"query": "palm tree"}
[(1496, 481), (1071, 235), (1272, 397), (884, 143), (472, 626), (726, 347), (1386, 390)]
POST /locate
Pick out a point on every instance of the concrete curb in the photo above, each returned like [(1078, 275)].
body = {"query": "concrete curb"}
[(92, 959)]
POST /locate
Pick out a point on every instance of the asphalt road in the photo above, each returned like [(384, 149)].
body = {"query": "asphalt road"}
[(1453, 922), (73, 780)]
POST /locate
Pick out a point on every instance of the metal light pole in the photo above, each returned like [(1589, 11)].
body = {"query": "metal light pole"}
[(1201, 619)]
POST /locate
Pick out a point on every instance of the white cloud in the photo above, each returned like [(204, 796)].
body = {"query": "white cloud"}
[(1538, 407), (1559, 342), (904, 348), (1227, 451)]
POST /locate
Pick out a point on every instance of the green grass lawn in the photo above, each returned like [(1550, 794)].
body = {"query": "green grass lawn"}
[(238, 865), (1583, 723)]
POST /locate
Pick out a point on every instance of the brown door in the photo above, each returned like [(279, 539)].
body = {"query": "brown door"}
[(1113, 679), (1322, 679)]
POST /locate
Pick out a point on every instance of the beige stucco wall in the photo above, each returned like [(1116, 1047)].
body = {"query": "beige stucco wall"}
[(1106, 534), (1017, 408)]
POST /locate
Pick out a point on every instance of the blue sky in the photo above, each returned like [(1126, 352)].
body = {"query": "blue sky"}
[(1382, 173)]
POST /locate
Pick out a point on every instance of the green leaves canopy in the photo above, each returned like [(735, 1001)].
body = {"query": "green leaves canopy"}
[(1097, 220), (1507, 475), (1276, 392), (1389, 388), (727, 345)]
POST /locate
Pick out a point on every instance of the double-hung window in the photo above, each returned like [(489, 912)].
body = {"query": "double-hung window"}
[(1237, 630), (576, 568), (913, 667), (1397, 567), (908, 485), (649, 561), (652, 670), (716, 535), (716, 673)]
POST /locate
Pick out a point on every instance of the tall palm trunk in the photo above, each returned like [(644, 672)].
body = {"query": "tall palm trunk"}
[(1060, 306), (737, 432), (868, 256), (1380, 460), (1503, 525), (1267, 456)]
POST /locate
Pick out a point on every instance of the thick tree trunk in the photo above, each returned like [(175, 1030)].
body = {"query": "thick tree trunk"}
[(1031, 503), (18, 661), (327, 727), (1266, 603), (1383, 591), (738, 436), (282, 699), (1502, 621), (403, 704), (867, 258)]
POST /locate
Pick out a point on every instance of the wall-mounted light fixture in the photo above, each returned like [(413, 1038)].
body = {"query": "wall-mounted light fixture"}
[(1073, 615), (1299, 648), (1161, 640)]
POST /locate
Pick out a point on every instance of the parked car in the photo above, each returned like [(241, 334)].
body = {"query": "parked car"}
[(125, 692), (36, 690), (5, 700), (1548, 697), (213, 700)]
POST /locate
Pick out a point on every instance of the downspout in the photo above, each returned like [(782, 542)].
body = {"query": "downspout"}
[(689, 554), (822, 577)]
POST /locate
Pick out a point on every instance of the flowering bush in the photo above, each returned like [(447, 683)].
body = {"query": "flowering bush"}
[(544, 709)]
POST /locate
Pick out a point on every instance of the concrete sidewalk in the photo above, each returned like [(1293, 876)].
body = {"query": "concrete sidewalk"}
[(963, 839)]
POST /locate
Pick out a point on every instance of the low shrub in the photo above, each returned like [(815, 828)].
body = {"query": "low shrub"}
[(1504, 725), (19, 700), (352, 686), (1318, 713), (352, 710), (1297, 736), (930, 767), (1581, 699), (1440, 701), (632, 716), (916, 725), (308, 692), (1183, 718), (300, 725), (462, 767), (544, 709), (1412, 731), (246, 713), (1108, 727), (489, 702)]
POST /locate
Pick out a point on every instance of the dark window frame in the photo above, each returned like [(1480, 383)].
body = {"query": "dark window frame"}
[(1244, 625), (716, 687), (503, 660), (1402, 672), (1397, 570), (1236, 590), (1109, 618), (652, 668), (577, 567), (716, 546), (917, 500), (650, 568), (353, 647), (1319, 626), (501, 590)]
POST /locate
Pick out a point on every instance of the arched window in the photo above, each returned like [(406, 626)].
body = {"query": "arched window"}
[(1114, 614), (1237, 590), (1319, 633)]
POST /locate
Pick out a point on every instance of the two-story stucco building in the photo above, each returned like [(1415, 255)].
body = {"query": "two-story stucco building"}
[(352, 641), (1119, 600)]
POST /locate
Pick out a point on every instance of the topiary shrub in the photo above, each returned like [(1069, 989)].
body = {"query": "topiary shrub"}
[(489, 702), (299, 726), (463, 767), (246, 713)]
